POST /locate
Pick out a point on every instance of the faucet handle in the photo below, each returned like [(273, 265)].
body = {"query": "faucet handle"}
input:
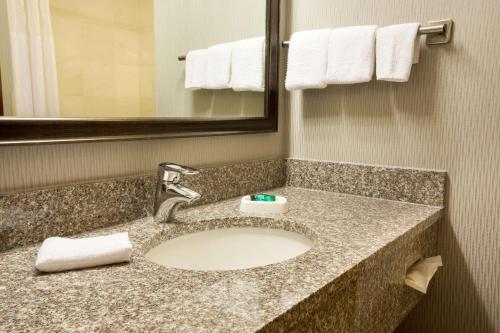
[(172, 172), (182, 169)]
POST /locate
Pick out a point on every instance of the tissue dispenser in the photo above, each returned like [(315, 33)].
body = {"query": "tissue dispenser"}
[(420, 274)]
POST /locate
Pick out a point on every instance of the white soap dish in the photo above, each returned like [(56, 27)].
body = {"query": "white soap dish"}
[(280, 206)]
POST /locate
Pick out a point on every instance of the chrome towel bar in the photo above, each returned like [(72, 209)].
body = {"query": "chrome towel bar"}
[(438, 32)]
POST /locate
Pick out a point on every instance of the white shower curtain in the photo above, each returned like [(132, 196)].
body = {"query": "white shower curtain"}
[(33, 59)]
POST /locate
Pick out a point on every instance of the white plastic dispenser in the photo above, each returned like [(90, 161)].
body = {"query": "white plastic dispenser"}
[(263, 208), (420, 274)]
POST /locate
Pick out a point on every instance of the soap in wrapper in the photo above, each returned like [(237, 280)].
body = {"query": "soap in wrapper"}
[(420, 274), (263, 208)]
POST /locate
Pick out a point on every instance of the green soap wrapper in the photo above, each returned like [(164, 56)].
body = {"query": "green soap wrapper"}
[(263, 197)]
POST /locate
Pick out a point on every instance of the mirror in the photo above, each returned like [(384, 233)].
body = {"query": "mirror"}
[(101, 70), (126, 58)]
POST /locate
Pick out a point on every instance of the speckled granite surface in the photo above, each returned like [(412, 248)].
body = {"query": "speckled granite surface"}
[(374, 300), (362, 247), (32, 216), (401, 184)]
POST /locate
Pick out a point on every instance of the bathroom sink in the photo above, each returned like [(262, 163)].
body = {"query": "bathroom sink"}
[(229, 249)]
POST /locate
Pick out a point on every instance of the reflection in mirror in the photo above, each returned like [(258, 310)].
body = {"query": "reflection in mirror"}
[(132, 58)]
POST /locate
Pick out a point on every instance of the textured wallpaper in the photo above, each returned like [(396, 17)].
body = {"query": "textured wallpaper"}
[(27, 167), (447, 117)]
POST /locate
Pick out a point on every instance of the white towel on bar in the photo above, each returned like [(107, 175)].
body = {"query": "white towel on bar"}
[(248, 65), (218, 66), (398, 49), (351, 55), (307, 60), (195, 69), (61, 254)]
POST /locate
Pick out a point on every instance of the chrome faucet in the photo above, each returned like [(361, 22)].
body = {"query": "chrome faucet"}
[(169, 193)]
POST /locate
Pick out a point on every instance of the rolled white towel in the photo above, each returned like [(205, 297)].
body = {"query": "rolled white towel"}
[(61, 254), (397, 50), (351, 55), (307, 60)]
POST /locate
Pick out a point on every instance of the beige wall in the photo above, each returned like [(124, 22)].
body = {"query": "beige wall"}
[(27, 167), (183, 25), (446, 117), (105, 57)]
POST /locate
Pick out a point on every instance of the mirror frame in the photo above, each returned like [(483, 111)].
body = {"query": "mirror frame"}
[(19, 131)]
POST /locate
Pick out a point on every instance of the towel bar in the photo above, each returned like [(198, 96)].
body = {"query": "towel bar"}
[(439, 32)]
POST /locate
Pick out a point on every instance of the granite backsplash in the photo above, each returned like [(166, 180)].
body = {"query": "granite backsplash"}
[(32, 216), (419, 186)]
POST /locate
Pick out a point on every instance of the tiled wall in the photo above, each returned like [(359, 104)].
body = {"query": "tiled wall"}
[(105, 57), (446, 117)]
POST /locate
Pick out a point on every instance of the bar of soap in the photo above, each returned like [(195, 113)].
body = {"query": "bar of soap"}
[(263, 208)]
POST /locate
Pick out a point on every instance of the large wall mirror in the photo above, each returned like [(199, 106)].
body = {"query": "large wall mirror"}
[(87, 70)]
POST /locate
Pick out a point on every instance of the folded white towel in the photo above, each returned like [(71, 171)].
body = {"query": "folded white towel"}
[(307, 60), (397, 49), (247, 65), (218, 66), (61, 254), (351, 55), (195, 69)]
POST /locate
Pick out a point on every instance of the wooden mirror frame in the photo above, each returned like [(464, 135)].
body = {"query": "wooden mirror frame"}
[(18, 131)]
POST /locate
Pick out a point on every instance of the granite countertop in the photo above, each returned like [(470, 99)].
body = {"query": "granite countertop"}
[(142, 296)]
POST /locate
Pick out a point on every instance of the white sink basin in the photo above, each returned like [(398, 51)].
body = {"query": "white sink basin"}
[(229, 249)]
